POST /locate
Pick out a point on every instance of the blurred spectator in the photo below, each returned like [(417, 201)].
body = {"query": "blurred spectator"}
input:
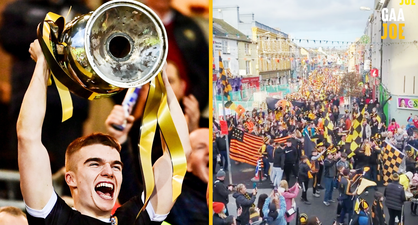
[(12, 215), (395, 198), (255, 218), (190, 206), (220, 142), (414, 120), (278, 165), (195, 181), (378, 213), (275, 208), (216, 155), (230, 220), (219, 211), (393, 126), (313, 220), (289, 196), (304, 177), (363, 217), (261, 199), (220, 190)]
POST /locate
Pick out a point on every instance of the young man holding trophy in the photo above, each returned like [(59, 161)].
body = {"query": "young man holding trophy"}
[(93, 167)]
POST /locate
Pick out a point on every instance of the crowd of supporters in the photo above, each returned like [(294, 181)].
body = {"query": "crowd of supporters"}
[(333, 161)]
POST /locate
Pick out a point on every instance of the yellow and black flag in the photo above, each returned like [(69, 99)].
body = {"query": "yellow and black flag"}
[(355, 133), (328, 129), (226, 87), (378, 118), (392, 160)]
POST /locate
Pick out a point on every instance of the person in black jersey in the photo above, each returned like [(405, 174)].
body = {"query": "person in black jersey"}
[(93, 167), (290, 160)]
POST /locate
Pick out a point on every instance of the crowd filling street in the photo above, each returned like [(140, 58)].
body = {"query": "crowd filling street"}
[(328, 148)]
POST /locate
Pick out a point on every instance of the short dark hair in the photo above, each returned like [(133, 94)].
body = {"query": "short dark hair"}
[(313, 220), (346, 171), (94, 138), (229, 220)]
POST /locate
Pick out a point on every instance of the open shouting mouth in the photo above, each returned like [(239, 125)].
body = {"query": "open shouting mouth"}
[(105, 190)]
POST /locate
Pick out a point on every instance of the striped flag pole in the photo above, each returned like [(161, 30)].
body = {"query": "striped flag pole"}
[(256, 169), (257, 177), (222, 76), (413, 148)]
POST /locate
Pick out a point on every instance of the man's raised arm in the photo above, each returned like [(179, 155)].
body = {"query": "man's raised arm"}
[(34, 165)]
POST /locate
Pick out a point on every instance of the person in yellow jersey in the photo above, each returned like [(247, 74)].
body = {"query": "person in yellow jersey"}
[(405, 180)]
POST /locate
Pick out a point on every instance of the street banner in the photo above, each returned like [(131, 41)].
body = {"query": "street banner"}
[(407, 103)]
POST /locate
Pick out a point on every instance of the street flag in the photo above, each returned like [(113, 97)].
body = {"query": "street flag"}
[(308, 144), (226, 87), (355, 134), (245, 147), (413, 148), (282, 139), (392, 160)]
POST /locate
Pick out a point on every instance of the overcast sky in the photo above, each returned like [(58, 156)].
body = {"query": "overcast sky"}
[(334, 20)]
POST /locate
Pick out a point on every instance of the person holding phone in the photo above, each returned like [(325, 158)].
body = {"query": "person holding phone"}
[(275, 208), (244, 200)]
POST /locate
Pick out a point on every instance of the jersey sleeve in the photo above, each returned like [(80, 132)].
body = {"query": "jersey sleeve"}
[(151, 213), (128, 213), (43, 213), (56, 211)]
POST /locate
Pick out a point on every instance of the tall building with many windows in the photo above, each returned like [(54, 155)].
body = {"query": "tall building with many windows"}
[(395, 59), (273, 47)]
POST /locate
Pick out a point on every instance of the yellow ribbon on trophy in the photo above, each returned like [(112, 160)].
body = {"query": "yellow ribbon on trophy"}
[(64, 93), (157, 111), (48, 34), (149, 124), (175, 147)]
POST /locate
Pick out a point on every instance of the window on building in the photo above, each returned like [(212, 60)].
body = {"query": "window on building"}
[(247, 49), (225, 47), (226, 64), (248, 67)]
